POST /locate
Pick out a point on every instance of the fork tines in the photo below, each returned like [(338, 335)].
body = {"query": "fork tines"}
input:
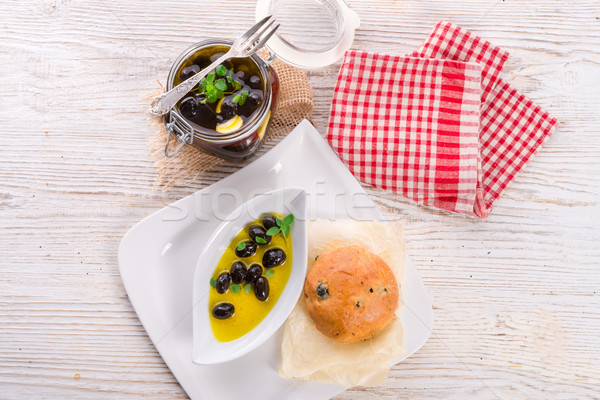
[(258, 35)]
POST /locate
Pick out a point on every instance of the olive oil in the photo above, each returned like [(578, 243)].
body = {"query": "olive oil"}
[(249, 310)]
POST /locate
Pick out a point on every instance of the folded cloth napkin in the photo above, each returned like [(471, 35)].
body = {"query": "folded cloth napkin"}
[(438, 126)]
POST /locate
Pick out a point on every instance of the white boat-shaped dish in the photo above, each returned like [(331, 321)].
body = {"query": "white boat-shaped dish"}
[(207, 349)]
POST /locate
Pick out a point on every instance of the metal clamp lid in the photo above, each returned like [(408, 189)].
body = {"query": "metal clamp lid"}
[(181, 129)]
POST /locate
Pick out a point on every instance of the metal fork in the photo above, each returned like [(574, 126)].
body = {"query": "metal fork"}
[(245, 46)]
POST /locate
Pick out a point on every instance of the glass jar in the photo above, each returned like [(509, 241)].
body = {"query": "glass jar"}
[(235, 146)]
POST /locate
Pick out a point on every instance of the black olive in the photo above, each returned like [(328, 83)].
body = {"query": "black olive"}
[(240, 75), (228, 108), (247, 251), (261, 288), (273, 258), (254, 98), (238, 272), (255, 82), (256, 231), (223, 310), (254, 272), (215, 57), (223, 282), (188, 72), (189, 107), (202, 60), (226, 63), (322, 291), (269, 221), (219, 118)]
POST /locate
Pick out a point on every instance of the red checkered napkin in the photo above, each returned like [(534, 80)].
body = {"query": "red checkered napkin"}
[(439, 126), (410, 125), (451, 42)]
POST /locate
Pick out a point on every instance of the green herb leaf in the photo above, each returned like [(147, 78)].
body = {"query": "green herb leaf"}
[(270, 272), (211, 93), (241, 246), (285, 230), (220, 84), (247, 288), (221, 70), (213, 282), (273, 231), (214, 86), (288, 220), (243, 97), (260, 240), (236, 99), (279, 222), (235, 288)]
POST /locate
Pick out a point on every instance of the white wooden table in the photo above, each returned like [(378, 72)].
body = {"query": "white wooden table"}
[(517, 297)]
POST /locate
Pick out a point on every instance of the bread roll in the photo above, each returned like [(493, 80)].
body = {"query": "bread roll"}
[(351, 294)]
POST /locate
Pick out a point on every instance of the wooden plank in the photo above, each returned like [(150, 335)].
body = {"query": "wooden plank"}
[(517, 298)]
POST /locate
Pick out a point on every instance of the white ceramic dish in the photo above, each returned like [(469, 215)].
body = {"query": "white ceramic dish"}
[(207, 349), (157, 258)]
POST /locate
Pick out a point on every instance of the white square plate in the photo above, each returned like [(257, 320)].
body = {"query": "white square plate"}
[(158, 256)]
